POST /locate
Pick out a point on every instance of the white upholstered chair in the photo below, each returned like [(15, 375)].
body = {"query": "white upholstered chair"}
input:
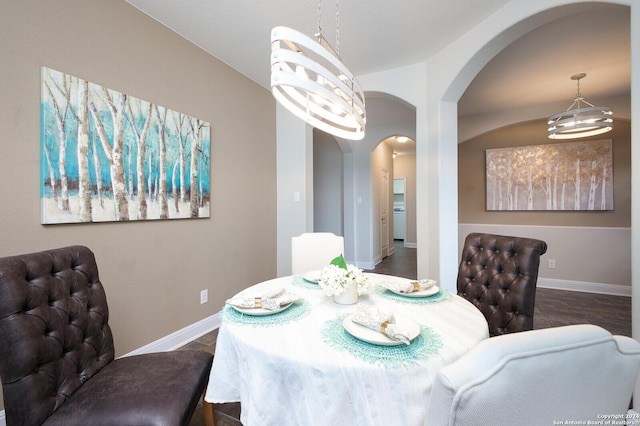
[(314, 250), (572, 373)]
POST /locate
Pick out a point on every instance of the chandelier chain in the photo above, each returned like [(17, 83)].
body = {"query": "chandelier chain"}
[(338, 27), (337, 23), (319, 16)]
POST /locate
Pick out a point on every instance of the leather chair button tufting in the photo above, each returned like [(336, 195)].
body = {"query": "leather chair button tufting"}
[(496, 269)]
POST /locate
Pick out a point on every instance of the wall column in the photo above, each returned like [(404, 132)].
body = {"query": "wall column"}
[(294, 164), (635, 173)]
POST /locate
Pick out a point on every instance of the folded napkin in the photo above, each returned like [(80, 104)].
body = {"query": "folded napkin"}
[(409, 286), (384, 322), (270, 301)]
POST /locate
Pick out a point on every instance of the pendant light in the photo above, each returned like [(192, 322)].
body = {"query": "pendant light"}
[(580, 121), (310, 80)]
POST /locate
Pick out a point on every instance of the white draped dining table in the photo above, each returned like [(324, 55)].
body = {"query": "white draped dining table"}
[(300, 367)]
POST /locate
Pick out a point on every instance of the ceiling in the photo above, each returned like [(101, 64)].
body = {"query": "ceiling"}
[(375, 35), (536, 68)]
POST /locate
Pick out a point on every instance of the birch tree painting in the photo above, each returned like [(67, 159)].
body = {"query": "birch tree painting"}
[(565, 176), (107, 156)]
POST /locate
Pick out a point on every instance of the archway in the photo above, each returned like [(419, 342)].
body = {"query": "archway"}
[(346, 192), (386, 116), (509, 24), (435, 86)]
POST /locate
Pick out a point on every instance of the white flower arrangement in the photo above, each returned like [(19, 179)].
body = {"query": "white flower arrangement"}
[(335, 277)]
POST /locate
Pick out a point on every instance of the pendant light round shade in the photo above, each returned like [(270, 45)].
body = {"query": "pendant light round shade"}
[(308, 78), (580, 122)]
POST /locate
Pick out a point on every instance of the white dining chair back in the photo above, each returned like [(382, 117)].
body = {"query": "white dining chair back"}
[(575, 373), (314, 250)]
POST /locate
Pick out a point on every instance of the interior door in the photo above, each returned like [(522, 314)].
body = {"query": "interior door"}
[(384, 213)]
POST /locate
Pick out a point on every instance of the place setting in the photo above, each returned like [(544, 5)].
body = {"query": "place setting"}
[(379, 327), (312, 276), (381, 337), (270, 308), (410, 291), (308, 280)]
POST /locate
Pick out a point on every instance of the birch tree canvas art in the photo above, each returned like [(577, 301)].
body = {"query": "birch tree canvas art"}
[(564, 176), (107, 156)]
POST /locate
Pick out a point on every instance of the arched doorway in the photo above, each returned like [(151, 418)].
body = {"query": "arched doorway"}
[(509, 25), (363, 168)]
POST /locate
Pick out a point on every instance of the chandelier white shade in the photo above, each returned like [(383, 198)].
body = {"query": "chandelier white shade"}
[(580, 121), (309, 79)]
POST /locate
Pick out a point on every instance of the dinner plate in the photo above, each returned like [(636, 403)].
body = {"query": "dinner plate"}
[(312, 276), (421, 293), (261, 311), (377, 338)]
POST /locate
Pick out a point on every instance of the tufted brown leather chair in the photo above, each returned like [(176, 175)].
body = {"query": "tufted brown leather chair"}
[(498, 274), (57, 356)]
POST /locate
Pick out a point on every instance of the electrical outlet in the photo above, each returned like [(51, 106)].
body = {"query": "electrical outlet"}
[(551, 263), (204, 296)]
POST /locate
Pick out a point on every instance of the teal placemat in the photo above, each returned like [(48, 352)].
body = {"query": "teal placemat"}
[(427, 343), (298, 310), (298, 281), (438, 297)]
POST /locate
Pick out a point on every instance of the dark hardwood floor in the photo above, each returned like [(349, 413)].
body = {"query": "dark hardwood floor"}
[(553, 308)]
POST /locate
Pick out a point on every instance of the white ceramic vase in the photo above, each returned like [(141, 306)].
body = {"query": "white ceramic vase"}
[(349, 296)]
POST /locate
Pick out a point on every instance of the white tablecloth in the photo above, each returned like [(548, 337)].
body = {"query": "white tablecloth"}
[(287, 374)]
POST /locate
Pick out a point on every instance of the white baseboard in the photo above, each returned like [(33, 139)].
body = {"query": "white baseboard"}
[(180, 337), (367, 266), (586, 287), (571, 247), (410, 245)]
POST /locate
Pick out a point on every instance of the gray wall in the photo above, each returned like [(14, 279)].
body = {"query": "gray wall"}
[(328, 183), (152, 271)]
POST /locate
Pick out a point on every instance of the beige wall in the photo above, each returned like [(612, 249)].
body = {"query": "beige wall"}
[(152, 271), (591, 250), (471, 179)]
